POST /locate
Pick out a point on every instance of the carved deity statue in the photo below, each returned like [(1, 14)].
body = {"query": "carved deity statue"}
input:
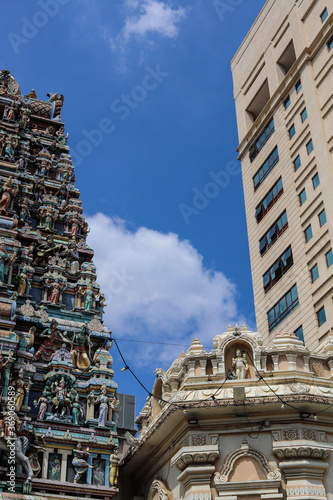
[(240, 365), (77, 410), (9, 191), (21, 388), (79, 464), (42, 402), (104, 403), (114, 468), (48, 347), (80, 341), (22, 281)]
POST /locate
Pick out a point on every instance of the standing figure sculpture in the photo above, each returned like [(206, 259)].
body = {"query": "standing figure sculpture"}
[(9, 191), (21, 388), (79, 464), (77, 410), (114, 468), (89, 297), (43, 402), (22, 281), (79, 341), (104, 404), (240, 365)]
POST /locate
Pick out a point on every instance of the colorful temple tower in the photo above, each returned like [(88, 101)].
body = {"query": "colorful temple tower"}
[(58, 399)]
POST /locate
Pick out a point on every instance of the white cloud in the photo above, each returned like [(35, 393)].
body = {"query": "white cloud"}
[(154, 17), (148, 17), (158, 289)]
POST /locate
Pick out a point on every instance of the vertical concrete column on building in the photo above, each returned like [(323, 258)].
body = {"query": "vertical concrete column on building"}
[(306, 360), (203, 364), (215, 366), (264, 363), (45, 464), (196, 481), (292, 357), (191, 368), (64, 455), (275, 359), (304, 478)]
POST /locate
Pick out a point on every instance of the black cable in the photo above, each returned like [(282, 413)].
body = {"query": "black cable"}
[(270, 388)]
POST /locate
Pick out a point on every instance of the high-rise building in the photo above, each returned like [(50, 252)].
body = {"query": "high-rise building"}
[(283, 82)]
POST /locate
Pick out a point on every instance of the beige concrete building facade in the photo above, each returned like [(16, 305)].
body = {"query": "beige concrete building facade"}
[(283, 83)]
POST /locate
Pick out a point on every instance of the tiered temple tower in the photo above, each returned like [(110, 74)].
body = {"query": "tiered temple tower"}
[(58, 399)]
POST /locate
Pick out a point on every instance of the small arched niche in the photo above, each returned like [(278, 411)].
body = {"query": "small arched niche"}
[(230, 354)]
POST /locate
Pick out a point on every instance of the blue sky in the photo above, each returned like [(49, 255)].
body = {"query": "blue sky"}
[(150, 114)]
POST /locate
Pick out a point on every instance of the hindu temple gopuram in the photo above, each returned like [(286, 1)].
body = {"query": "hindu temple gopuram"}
[(59, 403)]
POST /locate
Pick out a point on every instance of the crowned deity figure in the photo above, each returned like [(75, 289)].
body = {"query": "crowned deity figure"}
[(21, 388), (80, 341), (104, 404), (240, 365), (47, 349)]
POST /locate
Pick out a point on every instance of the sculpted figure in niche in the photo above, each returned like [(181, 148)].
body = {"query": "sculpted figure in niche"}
[(22, 281), (77, 410), (3, 259), (9, 191), (79, 464), (47, 349), (114, 468), (240, 365), (4, 364), (43, 402), (79, 341), (103, 401), (21, 388)]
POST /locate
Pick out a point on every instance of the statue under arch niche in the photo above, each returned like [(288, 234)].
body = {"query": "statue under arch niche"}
[(238, 356)]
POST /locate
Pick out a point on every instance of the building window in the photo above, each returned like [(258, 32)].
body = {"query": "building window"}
[(324, 16), (287, 102), (297, 162), (261, 141), (314, 273), (283, 308), (322, 218), (278, 269), (279, 226), (271, 197), (266, 168), (302, 197), (292, 131), (304, 115), (308, 233), (330, 44), (321, 315), (309, 147), (315, 181), (329, 258), (299, 333), (298, 86)]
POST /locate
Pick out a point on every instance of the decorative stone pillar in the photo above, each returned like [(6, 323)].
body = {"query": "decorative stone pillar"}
[(64, 455), (292, 357), (174, 386), (301, 460), (203, 364), (275, 359), (191, 368), (195, 464), (264, 362), (45, 465), (214, 365), (306, 360)]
